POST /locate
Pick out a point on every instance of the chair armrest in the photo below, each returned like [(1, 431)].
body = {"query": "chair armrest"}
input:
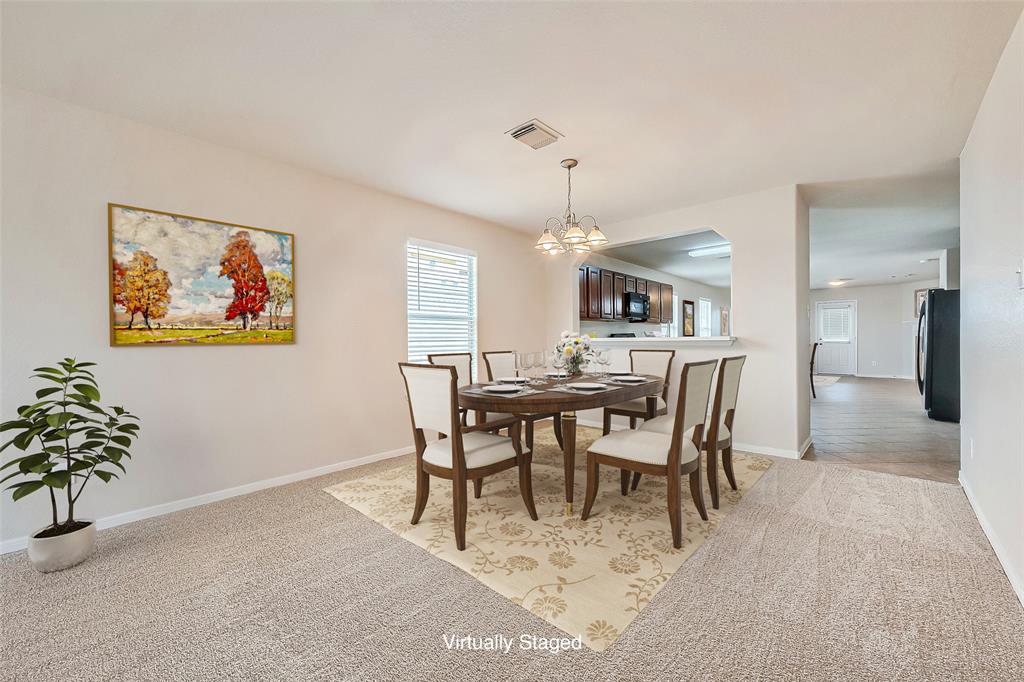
[(490, 426)]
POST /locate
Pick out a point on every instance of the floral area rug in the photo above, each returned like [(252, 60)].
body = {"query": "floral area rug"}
[(588, 578)]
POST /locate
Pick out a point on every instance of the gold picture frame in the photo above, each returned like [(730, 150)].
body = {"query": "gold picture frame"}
[(206, 263)]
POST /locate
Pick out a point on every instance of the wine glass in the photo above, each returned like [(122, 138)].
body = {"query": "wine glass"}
[(559, 362), (602, 362)]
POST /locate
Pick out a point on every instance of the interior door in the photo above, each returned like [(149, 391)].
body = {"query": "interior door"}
[(837, 337)]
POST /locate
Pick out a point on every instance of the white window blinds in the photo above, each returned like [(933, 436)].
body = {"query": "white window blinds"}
[(704, 318), (441, 301), (835, 324)]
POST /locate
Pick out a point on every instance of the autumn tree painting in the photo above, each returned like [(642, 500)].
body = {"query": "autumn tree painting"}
[(179, 280)]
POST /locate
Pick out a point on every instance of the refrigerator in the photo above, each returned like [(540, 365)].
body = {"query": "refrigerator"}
[(938, 354)]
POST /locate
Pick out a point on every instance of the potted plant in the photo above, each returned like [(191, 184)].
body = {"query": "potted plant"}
[(68, 438), (574, 350)]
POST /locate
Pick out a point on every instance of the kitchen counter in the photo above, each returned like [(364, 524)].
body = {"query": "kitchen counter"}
[(692, 342)]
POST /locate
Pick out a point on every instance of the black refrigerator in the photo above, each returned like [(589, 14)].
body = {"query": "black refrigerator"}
[(938, 354)]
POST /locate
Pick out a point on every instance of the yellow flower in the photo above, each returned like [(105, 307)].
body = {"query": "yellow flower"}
[(568, 350)]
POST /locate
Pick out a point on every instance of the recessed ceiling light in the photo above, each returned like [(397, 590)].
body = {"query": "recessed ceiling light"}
[(711, 251)]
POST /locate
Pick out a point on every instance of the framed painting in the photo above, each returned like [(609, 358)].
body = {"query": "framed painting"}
[(919, 296), (179, 280), (688, 318)]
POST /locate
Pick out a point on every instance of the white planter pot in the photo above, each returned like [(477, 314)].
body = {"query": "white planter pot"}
[(61, 551)]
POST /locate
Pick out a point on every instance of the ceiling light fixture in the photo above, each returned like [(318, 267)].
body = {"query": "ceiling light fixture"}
[(721, 249), (566, 235)]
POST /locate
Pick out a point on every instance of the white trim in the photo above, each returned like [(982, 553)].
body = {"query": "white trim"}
[(15, 544), (1016, 582), (744, 447), (881, 376)]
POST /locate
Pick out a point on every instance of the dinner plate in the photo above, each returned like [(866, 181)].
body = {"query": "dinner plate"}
[(584, 386), (502, 388), (630, 379), (512, 380)]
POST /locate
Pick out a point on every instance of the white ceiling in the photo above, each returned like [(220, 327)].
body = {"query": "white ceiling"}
[(671, 255), (664, 104), (876, 231)]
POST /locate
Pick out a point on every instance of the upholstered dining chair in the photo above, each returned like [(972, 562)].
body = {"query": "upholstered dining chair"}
[(500, 364), (643, 361), (718, 430), (814, 352), (468, 453), (463, 364), (662, 454)]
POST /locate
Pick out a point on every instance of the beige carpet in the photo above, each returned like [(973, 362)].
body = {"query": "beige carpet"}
[(819, 573), (588, 578)]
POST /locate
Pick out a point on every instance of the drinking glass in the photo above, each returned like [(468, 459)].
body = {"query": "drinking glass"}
[(559, 362)]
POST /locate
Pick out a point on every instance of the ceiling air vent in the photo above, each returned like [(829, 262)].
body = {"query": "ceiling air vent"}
[(535, 134)]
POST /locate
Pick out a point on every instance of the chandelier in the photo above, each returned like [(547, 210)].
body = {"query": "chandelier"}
[(567, 235)]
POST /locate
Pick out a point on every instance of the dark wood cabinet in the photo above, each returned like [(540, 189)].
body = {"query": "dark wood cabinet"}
[(654, 291), (667, 309), (593, 293), (607, 295), (641, 286), (630, 284), (619, 295), (583, 293)]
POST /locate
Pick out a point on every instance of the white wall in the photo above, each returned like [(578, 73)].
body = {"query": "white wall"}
[(216, 417), (992, 311), (683, 289), (769, 301), (886, 326)]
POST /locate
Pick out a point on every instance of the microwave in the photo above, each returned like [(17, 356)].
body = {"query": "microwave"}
[(638, 307)]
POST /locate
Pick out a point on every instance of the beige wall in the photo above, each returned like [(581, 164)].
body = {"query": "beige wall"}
[(886, 325), (218, 417), (769, 303), (992, 311)]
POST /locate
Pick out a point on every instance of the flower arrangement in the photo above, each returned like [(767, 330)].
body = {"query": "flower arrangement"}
[(574, 349)]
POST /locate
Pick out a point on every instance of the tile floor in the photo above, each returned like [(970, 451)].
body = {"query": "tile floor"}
[(881, 425)]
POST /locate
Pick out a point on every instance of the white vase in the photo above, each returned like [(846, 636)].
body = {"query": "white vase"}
[(61, 551)]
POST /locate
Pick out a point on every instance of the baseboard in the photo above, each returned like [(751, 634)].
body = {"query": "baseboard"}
[(805, 447), (882, 376), (744, 447), (15, 544), (1016, 582)]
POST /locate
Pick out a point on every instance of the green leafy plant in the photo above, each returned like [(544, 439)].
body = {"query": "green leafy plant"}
[(69, 438)]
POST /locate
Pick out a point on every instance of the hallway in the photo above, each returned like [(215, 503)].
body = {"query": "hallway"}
[(880, 425)]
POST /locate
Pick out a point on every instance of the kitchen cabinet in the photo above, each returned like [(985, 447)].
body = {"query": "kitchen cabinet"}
[(603, 295), (619, 295), (654, 291), (583, 294), (630, 284), (667, 309), (594, 293), (641, 286), (607, 295)]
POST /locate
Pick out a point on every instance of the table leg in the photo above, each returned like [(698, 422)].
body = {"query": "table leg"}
[(569, 452)]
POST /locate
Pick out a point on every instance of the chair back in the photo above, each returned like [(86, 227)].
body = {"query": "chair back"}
[(462, 362), (692, 406), (727, 391), (433, 398), (654, 362), (500, 363), (814, 352)]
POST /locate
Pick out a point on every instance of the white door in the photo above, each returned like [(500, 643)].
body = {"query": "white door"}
[(837, 337)]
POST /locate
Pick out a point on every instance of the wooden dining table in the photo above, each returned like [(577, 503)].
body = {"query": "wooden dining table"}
[(544, 399)]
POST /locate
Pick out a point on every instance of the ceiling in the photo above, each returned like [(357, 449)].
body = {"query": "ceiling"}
[(878, 230), (671, 255), (665, 104)]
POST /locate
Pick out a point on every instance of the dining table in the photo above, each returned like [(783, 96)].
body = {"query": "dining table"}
[(554, 395)]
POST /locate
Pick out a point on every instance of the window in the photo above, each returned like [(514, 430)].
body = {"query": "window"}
[(704, 317), (441, 300), (835, 323)]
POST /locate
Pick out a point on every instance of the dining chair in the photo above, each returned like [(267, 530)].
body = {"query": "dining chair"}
[(643, 361), (501, 364), (661, 454), (463, 364), (468, 453), (814, 352), (718, 430)]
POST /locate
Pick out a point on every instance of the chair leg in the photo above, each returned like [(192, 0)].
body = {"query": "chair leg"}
[(526, 484), (460, 508), (727, 465), (422, 493), (632, 423), (529, 435), (713, 473), (636, 479), (813, 394), (556, 424), (697, 493), (592, 480), (478, 487), (606, 426), (624, 475), (675, 504)]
